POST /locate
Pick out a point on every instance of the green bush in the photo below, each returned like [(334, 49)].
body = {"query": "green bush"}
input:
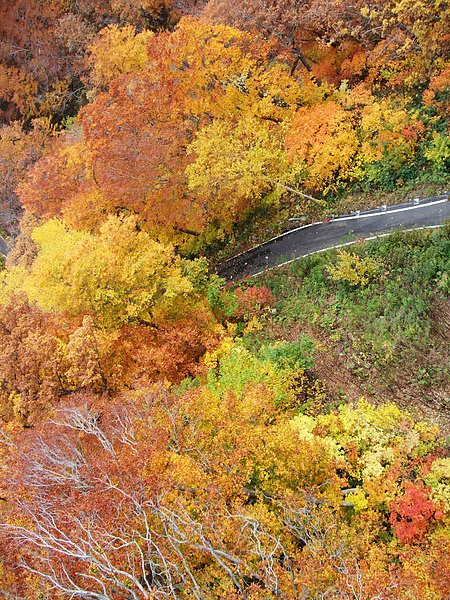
[(291, 355)]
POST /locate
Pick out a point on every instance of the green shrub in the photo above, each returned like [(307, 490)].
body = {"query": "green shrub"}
[(291, 355)]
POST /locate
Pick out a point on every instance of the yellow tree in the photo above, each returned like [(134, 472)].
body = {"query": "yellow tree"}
[(235, 164), (120, 275), (133, 309), (114, 52), (324, 139)]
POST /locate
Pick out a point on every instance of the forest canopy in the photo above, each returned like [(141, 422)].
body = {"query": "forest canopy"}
[(164, 434)]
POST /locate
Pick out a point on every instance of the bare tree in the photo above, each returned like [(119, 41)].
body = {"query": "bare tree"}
[(87, 517)]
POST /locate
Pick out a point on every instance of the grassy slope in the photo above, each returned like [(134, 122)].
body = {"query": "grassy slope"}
[(389, 339)]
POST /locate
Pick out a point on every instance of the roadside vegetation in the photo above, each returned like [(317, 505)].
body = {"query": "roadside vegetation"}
[(381, 306)]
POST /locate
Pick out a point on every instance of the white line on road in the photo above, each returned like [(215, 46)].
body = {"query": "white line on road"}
[(334, 220), (374, 237), (389, 212)]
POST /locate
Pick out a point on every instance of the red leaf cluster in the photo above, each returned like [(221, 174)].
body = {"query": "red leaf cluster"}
[(251, 302), (411, 514)]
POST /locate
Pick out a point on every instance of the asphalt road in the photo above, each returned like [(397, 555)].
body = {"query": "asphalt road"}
[(317, 237), (346, 229)]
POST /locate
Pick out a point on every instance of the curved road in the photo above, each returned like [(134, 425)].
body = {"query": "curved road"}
[(343, 230)]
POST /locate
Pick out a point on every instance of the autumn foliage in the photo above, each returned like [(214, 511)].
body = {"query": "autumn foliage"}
[(412, 513), (195, 128), (213, 492), (152, 446)]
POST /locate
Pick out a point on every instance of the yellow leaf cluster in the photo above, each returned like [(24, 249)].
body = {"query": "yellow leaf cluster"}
[(358, 499), (235, 164), (120, 275), (116, 51), (439, 480), (380, 435), (382, 126), (354, 269), (212, 357)]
